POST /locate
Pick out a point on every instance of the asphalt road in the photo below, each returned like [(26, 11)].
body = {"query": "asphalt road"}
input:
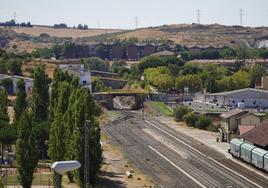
[(173, 159)]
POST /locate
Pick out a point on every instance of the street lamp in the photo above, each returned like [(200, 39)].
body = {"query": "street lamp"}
[(61, 167)]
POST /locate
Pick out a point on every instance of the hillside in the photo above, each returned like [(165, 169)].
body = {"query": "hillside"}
[(190, 35), (15, 39), (26, 39), (70, 32)]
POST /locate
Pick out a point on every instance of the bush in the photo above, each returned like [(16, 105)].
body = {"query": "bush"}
[(190, 119), (203, 122), (181, 111)]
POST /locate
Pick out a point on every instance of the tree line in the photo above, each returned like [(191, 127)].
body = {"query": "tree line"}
[(12, 23), (171, 75), (57, 119)]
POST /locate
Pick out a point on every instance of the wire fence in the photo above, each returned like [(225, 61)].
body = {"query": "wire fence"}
[(42, 177)]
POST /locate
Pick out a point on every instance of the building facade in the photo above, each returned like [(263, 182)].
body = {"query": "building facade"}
[(251, 98)]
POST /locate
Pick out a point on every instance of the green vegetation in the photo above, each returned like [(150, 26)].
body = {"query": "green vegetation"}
[(69, 108), (180, 112), (161, 108), (98, 85), (20, 102), (26, 150), (183, 113), (40, 94), (97, 64)]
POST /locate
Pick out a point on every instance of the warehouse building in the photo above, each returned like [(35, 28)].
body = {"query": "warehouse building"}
[(251, 98)]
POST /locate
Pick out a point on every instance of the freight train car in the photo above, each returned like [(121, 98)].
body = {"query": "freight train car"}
[(249, 153)]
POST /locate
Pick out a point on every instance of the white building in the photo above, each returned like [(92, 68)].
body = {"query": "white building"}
[(83, 75), (252, 98), (15, 78), (77, 66)]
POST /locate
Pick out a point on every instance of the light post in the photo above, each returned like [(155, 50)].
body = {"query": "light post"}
[(61, 167)]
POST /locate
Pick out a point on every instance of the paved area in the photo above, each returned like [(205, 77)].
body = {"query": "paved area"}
[(174, 159)]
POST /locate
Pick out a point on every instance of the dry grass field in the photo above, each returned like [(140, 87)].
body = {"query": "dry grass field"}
[(73, 33)]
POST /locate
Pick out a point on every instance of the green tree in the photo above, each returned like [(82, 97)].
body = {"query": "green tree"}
[(3, 103), (57, 144), (193, 82), (7, 135), (84, 108), (159, 77), (95, 63), (15, 66), (203, 122), (256, 73), (26, 151), (98, 85), (180, 112), (3, 66), (40, 95), (20, 102), (41, 134), (190, 119)]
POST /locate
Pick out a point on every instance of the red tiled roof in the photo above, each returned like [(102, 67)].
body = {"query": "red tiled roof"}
[(245, 128), (257, 136)]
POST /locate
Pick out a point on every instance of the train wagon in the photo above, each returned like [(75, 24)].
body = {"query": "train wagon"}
[(265, 166), (246, 152), (235, 147), (258, 157)]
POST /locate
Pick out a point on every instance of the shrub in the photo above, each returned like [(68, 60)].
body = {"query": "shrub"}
[(190, 119), (181, 111), (203, 122)]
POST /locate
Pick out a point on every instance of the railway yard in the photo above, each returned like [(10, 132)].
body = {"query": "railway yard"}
[(173, 159)]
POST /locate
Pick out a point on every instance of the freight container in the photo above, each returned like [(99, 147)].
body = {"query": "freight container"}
[(235, 145), (246, 152), (258, 157), (265, 163)]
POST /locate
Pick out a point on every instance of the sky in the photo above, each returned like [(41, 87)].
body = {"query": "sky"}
[(122, 13)]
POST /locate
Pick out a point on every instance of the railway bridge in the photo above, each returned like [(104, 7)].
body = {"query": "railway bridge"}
[(139, 97)]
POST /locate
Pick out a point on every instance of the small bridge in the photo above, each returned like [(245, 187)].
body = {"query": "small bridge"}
[(110, 95)]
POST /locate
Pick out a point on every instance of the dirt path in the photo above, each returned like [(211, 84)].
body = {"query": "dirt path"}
[(115, 165)]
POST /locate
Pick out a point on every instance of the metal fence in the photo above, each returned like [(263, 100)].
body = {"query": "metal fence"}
[(42, 177)]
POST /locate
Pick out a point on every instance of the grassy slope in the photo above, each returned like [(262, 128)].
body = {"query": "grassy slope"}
[(161, 108)]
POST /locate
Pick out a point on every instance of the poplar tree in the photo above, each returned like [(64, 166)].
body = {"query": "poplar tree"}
[(3, 103), (40, 95), (84, 110), (20, 102), (57, 144), (26, 150)]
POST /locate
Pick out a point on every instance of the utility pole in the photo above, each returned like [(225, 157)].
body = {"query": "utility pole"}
[(15, 17), (241, 17), (136, 22), (198, 16), (86, 160)]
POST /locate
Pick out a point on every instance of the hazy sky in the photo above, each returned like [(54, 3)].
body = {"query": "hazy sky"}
[(122, 13)]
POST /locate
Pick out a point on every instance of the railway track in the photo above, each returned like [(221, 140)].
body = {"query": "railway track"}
[(204, 167)]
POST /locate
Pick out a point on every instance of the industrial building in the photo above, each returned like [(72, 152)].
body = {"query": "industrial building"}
[(251, 98)]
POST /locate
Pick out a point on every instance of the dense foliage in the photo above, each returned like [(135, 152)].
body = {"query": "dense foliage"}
[(26, 150)]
